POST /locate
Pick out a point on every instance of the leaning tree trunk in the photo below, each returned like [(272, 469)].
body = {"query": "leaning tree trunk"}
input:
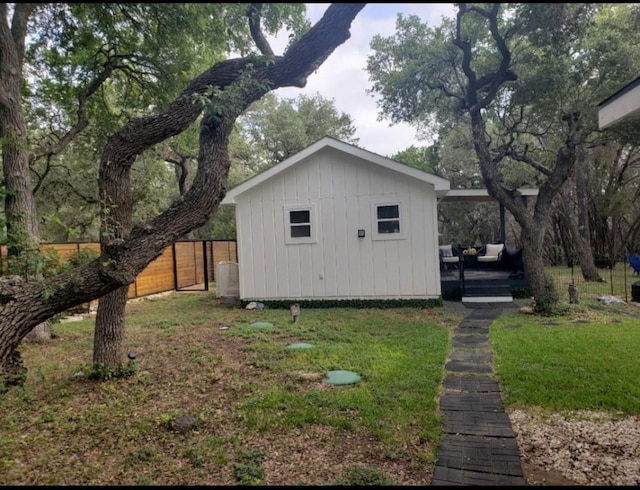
[(581, 227), (581, 246)]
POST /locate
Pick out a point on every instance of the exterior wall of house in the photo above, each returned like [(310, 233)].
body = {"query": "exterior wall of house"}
[(341, 193)]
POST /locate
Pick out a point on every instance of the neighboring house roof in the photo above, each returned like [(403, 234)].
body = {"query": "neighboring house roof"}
[(441, 185), (624, 104)]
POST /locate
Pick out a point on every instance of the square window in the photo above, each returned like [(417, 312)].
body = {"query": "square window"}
[(299, 224), (387, 221)]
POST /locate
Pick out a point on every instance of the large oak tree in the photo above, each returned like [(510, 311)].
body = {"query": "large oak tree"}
[(218, 96), (524, 81)]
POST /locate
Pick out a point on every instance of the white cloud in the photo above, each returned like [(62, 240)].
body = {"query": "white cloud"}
[(342, 77)]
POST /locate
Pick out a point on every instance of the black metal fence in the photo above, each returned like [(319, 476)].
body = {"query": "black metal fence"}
[(616, 278)]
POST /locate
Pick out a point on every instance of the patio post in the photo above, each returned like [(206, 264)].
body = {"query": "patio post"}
[(502, 224)]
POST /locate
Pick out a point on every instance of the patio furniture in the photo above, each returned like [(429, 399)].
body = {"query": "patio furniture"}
[(447, 256), (492, 253)]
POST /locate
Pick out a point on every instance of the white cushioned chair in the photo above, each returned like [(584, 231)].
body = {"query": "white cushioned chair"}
[(493, 253), (447, 256)]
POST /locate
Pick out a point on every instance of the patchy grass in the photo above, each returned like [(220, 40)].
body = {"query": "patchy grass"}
[(264, 414)]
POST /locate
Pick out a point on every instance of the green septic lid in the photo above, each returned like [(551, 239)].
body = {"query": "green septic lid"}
[(341, 378), (261, 325), (300, 345)]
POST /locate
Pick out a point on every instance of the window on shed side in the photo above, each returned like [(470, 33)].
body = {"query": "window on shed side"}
[(388, 218), (300, 224)]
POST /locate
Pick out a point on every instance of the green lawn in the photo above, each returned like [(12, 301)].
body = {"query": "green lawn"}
[(584, 360)]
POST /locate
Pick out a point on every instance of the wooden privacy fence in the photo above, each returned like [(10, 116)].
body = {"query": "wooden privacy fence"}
[(185, 264)]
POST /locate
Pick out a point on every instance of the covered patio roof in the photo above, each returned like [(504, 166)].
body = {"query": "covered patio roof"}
[(479, 195)]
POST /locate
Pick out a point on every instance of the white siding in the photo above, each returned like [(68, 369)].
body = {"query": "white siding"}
[(343, 191)]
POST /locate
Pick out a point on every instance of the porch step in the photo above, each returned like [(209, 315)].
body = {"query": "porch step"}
[(487, 293), (487, 299)]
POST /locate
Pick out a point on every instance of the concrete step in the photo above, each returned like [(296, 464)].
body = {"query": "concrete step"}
[(487, 290), (487, 293), (487, 299)]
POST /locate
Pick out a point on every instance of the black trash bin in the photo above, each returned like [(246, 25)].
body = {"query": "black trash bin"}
[(635, 291)]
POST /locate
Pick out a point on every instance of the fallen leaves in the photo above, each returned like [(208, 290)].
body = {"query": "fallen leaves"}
[(587, 448)]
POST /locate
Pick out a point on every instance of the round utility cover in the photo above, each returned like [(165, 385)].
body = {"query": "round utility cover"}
[(261, 325), (300, 345), (341, 378)]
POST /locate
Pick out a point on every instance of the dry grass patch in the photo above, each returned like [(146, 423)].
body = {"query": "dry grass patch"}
[(263, 414)]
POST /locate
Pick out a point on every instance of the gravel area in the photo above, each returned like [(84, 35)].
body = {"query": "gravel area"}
[(583, 448)]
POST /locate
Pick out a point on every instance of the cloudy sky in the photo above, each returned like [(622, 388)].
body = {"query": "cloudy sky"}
[(343, 77)]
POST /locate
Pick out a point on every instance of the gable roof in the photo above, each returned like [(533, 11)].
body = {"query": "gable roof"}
[(441, 185)]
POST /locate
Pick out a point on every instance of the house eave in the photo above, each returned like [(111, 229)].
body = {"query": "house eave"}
[(480, 195), (623, 105)]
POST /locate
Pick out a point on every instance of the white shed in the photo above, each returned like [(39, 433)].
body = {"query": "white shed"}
[(338, 222)]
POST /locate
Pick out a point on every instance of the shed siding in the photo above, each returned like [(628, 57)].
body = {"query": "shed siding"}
[(343, 191)]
